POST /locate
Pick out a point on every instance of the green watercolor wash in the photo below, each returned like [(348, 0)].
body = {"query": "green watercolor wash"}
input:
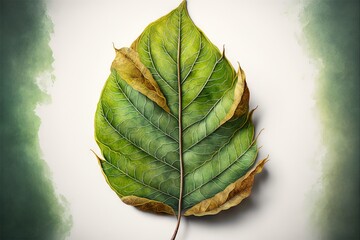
[(29, 206), (332, 31)]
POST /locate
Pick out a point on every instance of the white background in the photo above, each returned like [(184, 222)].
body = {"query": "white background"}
[(265, 37)]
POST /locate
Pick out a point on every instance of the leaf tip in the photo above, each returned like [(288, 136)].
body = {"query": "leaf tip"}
[(241, 72), (266, 159), (183, 6), (97, 157), (116, 49), (223, 51), (260, 165)]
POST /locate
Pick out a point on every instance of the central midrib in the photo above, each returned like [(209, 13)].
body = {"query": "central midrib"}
[(180, 128)]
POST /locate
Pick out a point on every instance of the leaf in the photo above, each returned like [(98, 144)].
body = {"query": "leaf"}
[(173, 123)]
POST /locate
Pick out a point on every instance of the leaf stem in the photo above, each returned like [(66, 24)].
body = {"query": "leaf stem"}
[(180, 132)]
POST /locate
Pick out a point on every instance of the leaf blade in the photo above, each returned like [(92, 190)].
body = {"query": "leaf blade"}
[(174, 116)]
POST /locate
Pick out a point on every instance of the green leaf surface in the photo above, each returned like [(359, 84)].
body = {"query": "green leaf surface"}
[(173, 122)]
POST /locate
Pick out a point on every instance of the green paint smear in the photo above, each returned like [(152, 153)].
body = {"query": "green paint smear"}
[(29, 206), (332, 31)]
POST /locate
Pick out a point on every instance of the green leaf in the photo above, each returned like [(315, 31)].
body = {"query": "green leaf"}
[(173, 122)]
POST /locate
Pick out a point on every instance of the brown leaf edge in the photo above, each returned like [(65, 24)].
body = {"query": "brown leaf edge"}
[(238, 95), (230, 197), (243, 106), (148, 205), (128, 65), (143, 204)]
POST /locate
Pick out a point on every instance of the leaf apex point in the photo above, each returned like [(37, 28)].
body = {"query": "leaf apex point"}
[(98, 158), (239, 64), (183, 5), (116, 49), (241, 72)]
